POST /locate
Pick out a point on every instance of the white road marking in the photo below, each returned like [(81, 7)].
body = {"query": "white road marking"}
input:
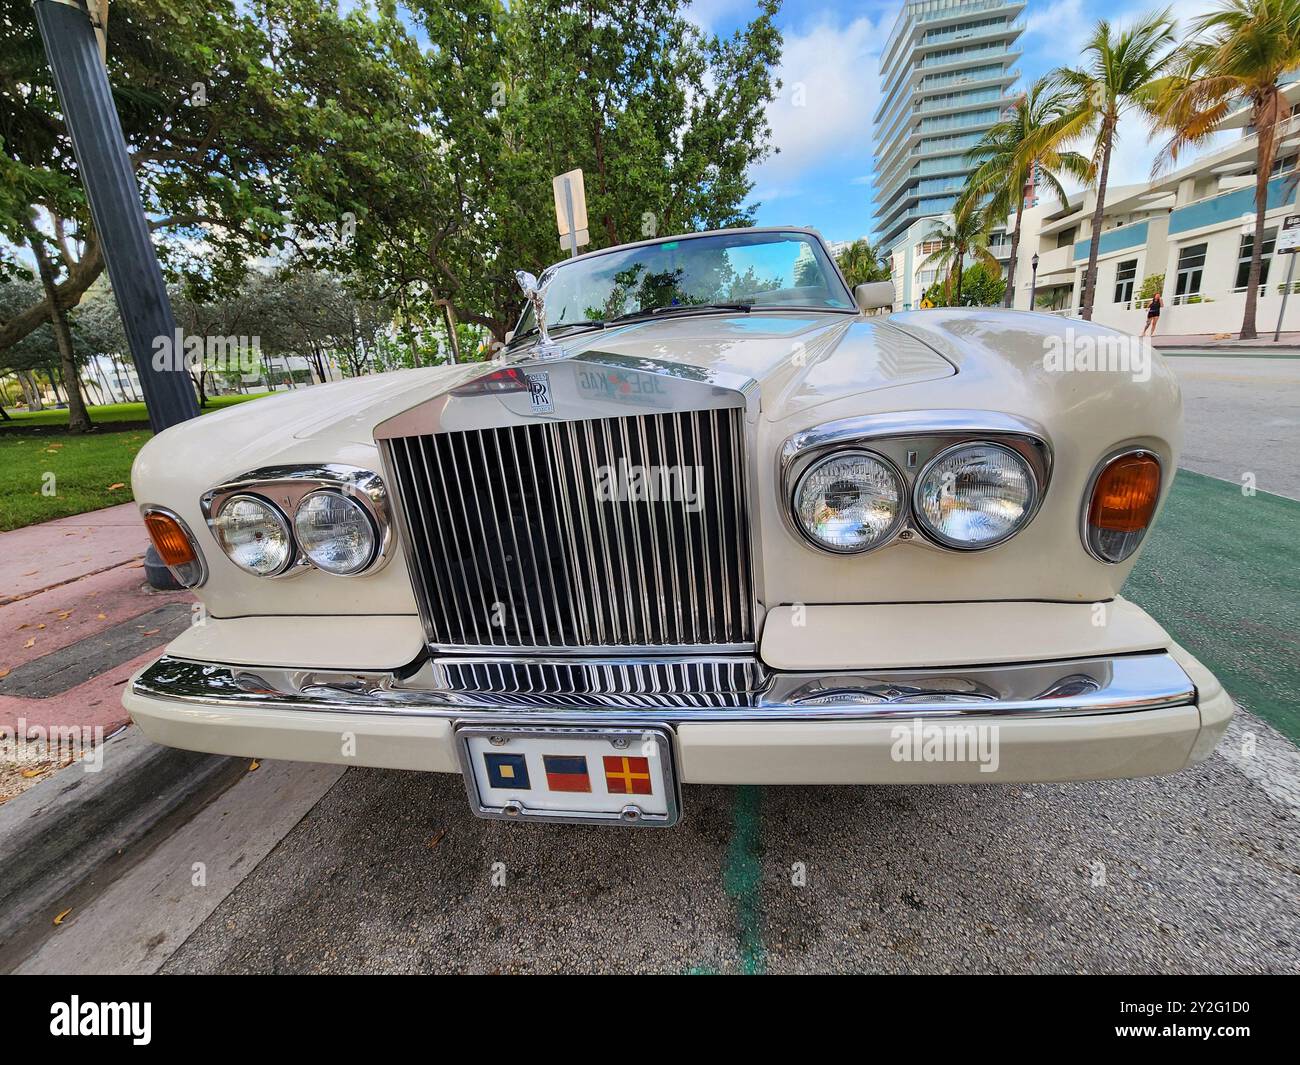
[(1263, 754)]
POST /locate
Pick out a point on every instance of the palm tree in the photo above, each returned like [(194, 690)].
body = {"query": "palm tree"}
[(1117, 76), (966, 236), (860, 263), (1236, 56), (1026, 142)]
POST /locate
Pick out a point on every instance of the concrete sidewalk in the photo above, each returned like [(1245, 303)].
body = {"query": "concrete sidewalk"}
[(1227, 341), (76, 619), (43, 556)]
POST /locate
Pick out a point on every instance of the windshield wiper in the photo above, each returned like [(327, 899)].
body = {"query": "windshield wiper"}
[(591, 323), (679, 308), (594, 323), (668, 308)]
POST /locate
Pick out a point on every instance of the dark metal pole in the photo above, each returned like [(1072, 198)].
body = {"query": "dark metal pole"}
[(1033, 279), (1290, 274), (115, 206), (73, 51)]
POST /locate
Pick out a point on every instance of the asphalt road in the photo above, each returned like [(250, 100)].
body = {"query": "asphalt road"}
[(1200, 872), (1242, 416)]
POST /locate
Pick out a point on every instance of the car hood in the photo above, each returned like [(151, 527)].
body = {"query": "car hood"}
[(798, 361)]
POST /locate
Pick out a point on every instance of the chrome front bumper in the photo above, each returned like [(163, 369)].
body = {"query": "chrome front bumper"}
[(1076, 687), (1096, 718)]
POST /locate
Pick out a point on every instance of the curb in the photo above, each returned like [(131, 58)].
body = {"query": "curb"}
[(58, 835)]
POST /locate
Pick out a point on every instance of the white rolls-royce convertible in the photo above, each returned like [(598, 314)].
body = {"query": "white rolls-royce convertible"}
[(708, 517)]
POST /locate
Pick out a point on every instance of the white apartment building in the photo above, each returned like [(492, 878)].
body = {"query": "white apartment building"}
[(1195, 226), (946, 74)]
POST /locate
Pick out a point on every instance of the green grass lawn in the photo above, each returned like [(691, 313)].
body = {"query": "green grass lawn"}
[(90, 470), (112, 412)]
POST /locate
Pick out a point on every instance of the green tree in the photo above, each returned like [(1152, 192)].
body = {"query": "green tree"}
[(206, 131), (980, 287), (448, 165), (1119, 74), (1024, 146), (1151, 284), (965, 236), (1237, 56), (861, 263)]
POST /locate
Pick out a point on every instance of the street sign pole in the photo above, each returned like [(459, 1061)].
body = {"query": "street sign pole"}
[(571, 210), (568, 214), (1290, 273), (1288, 242)]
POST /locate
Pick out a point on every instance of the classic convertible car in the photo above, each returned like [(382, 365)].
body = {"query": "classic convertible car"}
[(705, 519)]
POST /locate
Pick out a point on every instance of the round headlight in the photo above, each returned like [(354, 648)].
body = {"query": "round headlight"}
[(254, 535), (848, 502), (974, 495), (335, 532)]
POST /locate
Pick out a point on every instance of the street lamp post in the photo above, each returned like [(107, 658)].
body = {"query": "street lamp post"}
[(1033, 279), (86, 100)]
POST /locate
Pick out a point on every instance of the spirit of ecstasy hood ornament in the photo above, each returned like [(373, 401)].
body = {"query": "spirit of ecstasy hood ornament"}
[(535, 292)]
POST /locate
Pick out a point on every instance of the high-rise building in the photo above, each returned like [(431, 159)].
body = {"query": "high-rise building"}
[(945, 77)]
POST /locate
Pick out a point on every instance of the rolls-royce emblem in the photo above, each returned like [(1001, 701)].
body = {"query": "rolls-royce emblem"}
[(539, 392)]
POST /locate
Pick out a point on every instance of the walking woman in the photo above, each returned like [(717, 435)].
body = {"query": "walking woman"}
[(1153, 315)]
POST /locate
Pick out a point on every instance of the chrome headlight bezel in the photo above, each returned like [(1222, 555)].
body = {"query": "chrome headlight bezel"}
[(926, 529), (900, 487), (276, 517), (366, 516), (911, 440), (285, 487)]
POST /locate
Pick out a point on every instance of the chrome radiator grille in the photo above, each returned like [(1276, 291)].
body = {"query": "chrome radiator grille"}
[(515, 541), (703, 682)]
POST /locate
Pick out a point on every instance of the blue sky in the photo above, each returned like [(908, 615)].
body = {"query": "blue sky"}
[(832, 50)]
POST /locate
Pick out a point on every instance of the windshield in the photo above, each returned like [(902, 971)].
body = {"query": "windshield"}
[(757, 269)]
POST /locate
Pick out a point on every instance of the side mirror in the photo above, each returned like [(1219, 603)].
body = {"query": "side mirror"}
[(510, 335), (874, 295)]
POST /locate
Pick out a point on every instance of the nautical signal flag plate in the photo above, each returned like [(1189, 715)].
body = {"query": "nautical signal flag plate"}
[(599, 775)]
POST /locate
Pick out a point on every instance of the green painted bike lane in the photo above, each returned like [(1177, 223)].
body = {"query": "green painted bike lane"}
[(1221, 572)]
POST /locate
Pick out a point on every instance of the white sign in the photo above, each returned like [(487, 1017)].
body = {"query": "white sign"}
[(1288, 240), (571, 209)]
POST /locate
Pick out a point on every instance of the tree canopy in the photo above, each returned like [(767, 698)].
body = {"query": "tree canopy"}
[(392, 160)]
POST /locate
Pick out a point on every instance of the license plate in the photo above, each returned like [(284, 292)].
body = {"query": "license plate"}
[(596, 776)]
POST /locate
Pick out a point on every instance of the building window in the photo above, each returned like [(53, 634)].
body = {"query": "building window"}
[(1244, 253), (1125, 274), (928, 247), (1191, 264), (928, 278)]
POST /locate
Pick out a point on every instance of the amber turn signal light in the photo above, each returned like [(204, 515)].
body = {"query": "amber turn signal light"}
[(1123, 502), (175, 547)]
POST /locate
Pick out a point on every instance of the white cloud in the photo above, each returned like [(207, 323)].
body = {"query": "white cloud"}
[(1063, 27), (830, 77), (708, 13)]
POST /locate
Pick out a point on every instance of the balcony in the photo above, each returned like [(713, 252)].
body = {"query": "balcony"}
[(1113, 240), (915, 15), (972, 32), (1229, 207), (994, 72), (956, 101)]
